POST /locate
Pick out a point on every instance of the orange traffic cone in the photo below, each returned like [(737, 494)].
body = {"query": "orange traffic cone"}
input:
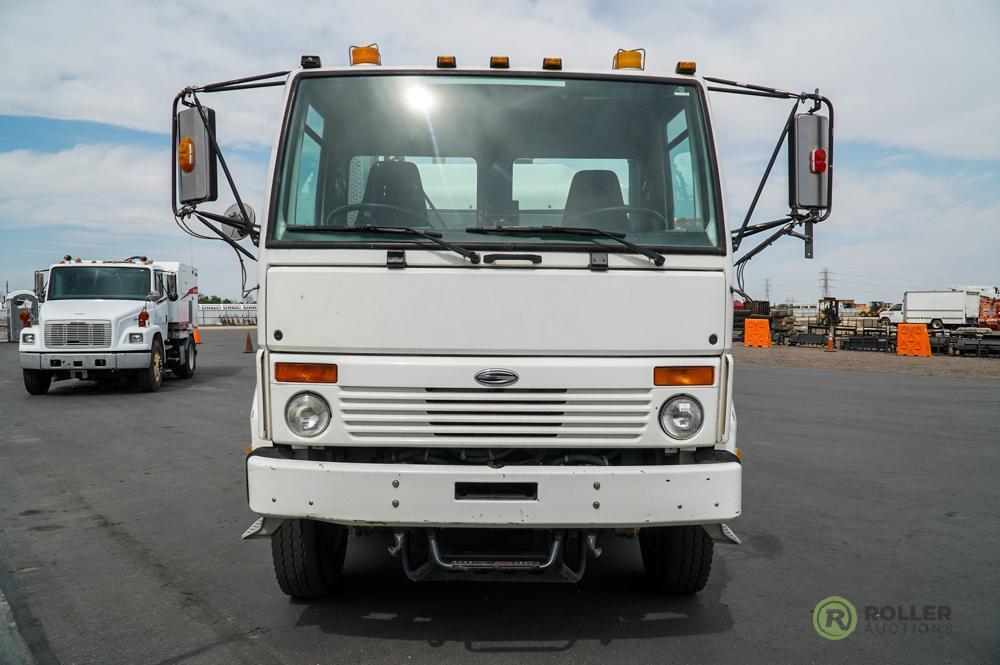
[(248, 345), (829, 344)]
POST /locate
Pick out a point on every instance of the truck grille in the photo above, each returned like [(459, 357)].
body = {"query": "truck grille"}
[(78, 334), (409, 416)]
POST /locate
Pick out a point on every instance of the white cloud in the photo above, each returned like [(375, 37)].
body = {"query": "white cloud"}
[(914, 75)]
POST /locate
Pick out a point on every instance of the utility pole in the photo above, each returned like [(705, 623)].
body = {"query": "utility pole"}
[(767, 289), (824, 280)]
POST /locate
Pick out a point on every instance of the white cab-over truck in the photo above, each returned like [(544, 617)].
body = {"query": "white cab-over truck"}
[(495, 314), (105, 320)]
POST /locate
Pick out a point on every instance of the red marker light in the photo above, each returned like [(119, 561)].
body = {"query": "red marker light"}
[(817, 161), (143, 317)]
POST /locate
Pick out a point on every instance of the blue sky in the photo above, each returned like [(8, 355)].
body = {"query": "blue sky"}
[(86, 89)]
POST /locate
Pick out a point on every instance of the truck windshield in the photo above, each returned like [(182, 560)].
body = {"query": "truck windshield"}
[(455, 152), (99, 283)]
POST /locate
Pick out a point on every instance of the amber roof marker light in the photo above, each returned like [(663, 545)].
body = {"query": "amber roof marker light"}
[(499, 62), (552, 63), (364, 55), (447, 62), (688, 67), (629, 59)]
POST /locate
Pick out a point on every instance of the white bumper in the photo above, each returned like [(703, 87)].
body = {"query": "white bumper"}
[(84, 361), (426, 495)]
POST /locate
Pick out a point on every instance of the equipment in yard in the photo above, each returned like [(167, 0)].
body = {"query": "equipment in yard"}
[(496, 311), (103, 320)]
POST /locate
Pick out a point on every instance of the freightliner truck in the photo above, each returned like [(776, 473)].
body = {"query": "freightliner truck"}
[(495, 312), (107, 320)]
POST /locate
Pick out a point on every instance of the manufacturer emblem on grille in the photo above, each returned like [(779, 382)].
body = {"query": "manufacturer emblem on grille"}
[(496, 377)]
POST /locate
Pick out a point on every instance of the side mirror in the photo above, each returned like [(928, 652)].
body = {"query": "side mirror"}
[(171, 283), (40, 285), (809, 173), (233, 213), (197, 177)]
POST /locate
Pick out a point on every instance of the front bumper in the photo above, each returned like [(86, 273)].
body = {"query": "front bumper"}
[(424, 495), (98, 361)]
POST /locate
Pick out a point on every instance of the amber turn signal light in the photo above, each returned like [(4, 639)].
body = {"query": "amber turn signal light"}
[(683, 376), (185, 154), (305, 373)]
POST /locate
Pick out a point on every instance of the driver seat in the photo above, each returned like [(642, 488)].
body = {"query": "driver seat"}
[(395, 184), (593, 190)]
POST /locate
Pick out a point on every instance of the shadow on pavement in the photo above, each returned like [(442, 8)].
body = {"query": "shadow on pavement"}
[(611, 603)]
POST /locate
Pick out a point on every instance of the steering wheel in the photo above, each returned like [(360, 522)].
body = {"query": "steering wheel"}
[(582, 215), (351, 207)]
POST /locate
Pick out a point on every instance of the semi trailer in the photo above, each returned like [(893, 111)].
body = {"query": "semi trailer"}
[(495, 312), (103, 320)]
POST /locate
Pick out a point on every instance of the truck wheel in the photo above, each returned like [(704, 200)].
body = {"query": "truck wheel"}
[(885, 321), (185, 370), (308, 557), (151, 377), (936, 324), (677, 559), (37, 381)]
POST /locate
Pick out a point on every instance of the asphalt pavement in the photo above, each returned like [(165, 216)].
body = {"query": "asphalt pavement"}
[(122, 512)]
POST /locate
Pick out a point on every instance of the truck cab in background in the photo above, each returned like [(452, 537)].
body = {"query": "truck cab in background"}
[(892, 316), (104, 320)]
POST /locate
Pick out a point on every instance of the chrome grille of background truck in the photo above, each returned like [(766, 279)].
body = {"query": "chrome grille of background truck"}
[(82, 334)]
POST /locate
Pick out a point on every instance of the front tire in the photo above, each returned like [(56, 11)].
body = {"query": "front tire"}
[(151, 377), (885, 322), (677, 559), (36, 381), (186, 369), (308, 557)]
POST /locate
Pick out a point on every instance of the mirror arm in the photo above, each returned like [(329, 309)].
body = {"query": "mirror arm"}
[(225, 167), (763, 181), (232, 243)]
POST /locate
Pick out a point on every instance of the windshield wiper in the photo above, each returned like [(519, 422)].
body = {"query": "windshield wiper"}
[(433, 236), (571, 230)]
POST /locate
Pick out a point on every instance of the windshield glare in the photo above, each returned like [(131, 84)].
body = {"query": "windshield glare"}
[(447, 153), (99, 283)]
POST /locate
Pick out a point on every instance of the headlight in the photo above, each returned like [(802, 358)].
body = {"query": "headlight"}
[(307, 414), (28, 338), (681, 416), (135, 338)]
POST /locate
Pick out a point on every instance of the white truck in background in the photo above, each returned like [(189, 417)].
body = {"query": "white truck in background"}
[(104, 320), (937, 310)]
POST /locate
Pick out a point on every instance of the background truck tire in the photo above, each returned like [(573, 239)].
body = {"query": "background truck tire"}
[(308, 557), (677, 559), (151, 377), (37, 381), (185, 370)]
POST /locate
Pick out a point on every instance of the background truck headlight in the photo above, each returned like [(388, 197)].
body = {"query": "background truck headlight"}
[(681, 416), (28, 338), (307, 414), (135, 338)]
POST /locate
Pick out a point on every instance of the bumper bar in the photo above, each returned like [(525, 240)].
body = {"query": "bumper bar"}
[(91, 361), (424, 495)]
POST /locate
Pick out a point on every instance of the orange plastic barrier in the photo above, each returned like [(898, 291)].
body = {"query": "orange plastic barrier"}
[(912, 340), (757, 332)]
